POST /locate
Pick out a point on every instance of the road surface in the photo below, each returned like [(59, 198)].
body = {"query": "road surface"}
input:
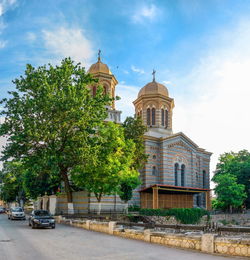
[(19, 242)]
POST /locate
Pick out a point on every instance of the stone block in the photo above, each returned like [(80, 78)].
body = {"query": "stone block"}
[(88, 224), (207, 243), (147, 235), (112, 226)]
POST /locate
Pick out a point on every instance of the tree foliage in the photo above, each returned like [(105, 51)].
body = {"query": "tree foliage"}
[(48, 120), (238, 165), (110, 163), (229, 193), (11, 177), (134, 130), (126, 188)]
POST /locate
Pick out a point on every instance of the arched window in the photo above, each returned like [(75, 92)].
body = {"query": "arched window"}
[(204, 179), (166, 118), (148, 117), (153, 116), (154, 171), (105, 90), (162, 117), (183, 175), (94, 91), (176, 166)]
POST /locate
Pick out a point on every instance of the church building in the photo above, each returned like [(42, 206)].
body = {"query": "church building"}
[(176, 174)]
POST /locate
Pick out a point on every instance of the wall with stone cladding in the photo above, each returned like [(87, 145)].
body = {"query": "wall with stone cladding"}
[(232, 246), (130, 233), (99, 226), (177, 240), (221, 245)]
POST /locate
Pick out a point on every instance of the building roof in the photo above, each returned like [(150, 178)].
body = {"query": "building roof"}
[(99, 67), (153, 88), (174, 189)]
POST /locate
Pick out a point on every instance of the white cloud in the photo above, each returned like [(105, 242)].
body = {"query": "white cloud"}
[(145, 13), (125, 71), (216, 115), (1, 9), (5, 5), (128, 94), (66, 42), (137, 70), (2, 44), (166, 82)]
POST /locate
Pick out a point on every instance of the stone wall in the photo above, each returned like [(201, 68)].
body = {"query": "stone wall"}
[(209, 243), (232, 246), (239, 219)]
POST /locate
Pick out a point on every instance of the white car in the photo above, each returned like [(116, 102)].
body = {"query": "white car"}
[(16, 213)]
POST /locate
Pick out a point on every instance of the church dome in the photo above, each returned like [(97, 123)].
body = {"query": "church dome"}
[(153, 88), (99, 67)]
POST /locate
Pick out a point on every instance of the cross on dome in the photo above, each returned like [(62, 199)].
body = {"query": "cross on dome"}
[(99, 55), (153, 73)]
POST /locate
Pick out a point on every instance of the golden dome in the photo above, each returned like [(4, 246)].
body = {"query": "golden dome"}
[(153, 88), (99, 67)]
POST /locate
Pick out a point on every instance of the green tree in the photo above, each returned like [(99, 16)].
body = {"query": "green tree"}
[(238, 165), (12, 182), (110, 164), (134, 130), (229, 193), (50, 117)]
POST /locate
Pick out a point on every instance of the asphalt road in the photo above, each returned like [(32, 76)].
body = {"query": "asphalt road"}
[(19, 242)]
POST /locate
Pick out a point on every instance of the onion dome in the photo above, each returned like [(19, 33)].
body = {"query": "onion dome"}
[(99, 67), (153, 88)]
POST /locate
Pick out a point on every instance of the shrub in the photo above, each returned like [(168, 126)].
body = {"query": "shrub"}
[(184, 215), (133, 208)]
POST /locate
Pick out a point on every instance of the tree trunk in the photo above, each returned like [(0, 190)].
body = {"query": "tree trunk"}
[(66, 184), (126, 207), (99, 198), (99, 208)]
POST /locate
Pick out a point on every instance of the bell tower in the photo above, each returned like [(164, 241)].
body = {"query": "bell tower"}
[(155, 107), (105, 78)]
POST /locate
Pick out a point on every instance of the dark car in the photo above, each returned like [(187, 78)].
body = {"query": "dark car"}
[(41, 218), (2, 210)]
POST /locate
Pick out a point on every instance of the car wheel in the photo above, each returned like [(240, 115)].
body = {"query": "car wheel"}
[(33, 225), (53, 227)]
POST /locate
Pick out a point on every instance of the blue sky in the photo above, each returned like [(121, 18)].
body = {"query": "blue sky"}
[(200, 50)]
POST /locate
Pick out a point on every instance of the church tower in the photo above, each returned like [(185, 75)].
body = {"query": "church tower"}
[(105, 78), (155, 107)]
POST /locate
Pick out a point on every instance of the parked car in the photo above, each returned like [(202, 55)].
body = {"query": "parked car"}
[(2, 210), (41, 218), (16, 213)]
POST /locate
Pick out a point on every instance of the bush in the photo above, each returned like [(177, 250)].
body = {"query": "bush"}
[(133, 208), (185, 215)]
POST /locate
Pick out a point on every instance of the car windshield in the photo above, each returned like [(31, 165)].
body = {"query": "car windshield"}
[(41, 213), (17, 210)]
